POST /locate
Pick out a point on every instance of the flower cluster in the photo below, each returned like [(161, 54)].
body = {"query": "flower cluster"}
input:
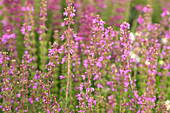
[(68, 60)]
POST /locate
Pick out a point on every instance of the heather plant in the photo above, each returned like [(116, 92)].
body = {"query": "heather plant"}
[(84, 56)]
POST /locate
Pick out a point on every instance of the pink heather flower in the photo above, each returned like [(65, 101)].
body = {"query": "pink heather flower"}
[(140, 20), (65, 13), (167, 34), (23, 30), (149, 27), (138, 7), (16, 108), (95, 77), (34, 87), (4, 22), (18, 95), (40, 32), (72, 22), (124, 26), (37, 99), (147, 9), (63, 60), (92, 54), (61, 77), (78, 95), (60, 49), (63, 24), (50, 63), (5, 38), (112, 34), (74, 35), (71, 51), (23, 8), (83, 76), (32, 8), (29, 28), (94, 101), (89, 100), (1, 60), (99, 64), (72, 14), (26, 111), (26, 52), (12, 35), (109, 83), (2, 89), (74, 10), (30, 100), (59, 109), (165, 13), (81, 87), (99, 86), (80, 111), (108, 57), (28, 9), (73, 75), (62, 37), (87, 90), (79, 98), (85, 63), (92, 89), (126, 89), (100, 59), (48, 111), (126, 84), (36, 77)]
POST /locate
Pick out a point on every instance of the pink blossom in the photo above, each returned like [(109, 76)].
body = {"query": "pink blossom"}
[(61, 77), (18, 95)]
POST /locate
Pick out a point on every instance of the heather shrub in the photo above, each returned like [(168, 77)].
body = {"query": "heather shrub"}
[(87, 56)]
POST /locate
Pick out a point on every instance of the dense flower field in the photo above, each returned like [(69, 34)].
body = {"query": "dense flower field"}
[(86, 56)]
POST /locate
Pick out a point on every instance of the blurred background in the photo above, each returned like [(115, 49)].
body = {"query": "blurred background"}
[(13, 14)]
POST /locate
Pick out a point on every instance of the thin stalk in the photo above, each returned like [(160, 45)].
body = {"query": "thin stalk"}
[(68, 72)]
